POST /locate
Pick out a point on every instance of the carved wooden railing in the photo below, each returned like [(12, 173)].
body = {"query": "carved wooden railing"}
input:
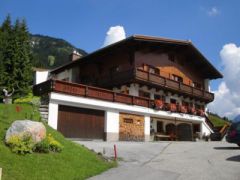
[(99, 93), (173, 85)]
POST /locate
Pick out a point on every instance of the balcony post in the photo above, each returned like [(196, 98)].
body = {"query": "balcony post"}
[(86, 91), (114, 96)]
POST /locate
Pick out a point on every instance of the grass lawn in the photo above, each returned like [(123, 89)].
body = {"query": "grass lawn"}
[(217, 121), (73, 163)]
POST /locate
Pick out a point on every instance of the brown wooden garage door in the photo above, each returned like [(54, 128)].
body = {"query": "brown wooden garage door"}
[(81, 123)]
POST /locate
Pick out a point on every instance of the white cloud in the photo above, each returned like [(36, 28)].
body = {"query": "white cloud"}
[(114, 34), (227, 97), (213, 11)]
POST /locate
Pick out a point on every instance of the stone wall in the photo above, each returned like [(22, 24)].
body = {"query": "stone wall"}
[(131, 127)]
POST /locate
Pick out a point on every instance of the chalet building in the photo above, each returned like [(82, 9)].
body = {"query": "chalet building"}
[(136, 89)]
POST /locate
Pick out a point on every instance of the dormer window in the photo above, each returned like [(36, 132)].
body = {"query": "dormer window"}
[(197, 85), (151, 69), (177, 78)]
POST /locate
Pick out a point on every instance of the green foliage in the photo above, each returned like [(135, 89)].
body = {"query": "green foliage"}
[(29, 99), (42, 146), (74, 162), (217, 120), (22, 144), (51, 60), (15, 57), (48, 144), (54, 145), (44, 47)]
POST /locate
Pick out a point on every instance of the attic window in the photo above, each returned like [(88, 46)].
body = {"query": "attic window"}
[(177, 78), (197, 85)]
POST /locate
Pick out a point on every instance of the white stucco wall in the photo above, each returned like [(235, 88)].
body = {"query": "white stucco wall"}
[(40, 76), (67, 74), (53, 115), (111, 121), (105, 105), (147, 125), (134, 89), (206, 85), (112, 110), (205, 129)]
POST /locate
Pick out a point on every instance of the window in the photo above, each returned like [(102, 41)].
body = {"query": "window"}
[(197, 85), (151, 69), (128, 120), (160, 126), (177, 78), (154, 70), (184, 103), (144, 94), (173, 101), (156, 96)]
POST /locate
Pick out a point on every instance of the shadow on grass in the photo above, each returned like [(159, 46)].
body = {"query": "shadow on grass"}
[(234, 158), (227, 148)]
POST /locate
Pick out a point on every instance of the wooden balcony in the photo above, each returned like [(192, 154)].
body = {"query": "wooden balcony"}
[(154, 80), (99, 93), (175, 86)]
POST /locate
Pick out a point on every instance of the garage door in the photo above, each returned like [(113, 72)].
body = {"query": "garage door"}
[(80, 122)]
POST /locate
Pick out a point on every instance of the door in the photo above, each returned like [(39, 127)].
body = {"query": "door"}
[(76, 122)]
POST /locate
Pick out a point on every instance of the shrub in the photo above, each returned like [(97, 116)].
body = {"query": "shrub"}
[(47, 145), (42, 147), (21, 144), (29, 99), (54, 145)]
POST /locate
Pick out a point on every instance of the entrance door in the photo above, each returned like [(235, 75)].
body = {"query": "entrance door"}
[(184, 132)]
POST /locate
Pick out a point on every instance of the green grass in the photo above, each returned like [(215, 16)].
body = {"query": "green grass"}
[(216, 120), (73, 163)]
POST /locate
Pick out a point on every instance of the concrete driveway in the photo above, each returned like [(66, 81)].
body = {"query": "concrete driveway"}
[(171, 160)]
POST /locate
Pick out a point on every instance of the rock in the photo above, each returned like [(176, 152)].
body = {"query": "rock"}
[(20, 127)]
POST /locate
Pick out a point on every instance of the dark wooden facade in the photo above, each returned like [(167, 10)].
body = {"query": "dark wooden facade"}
[(169, 65)]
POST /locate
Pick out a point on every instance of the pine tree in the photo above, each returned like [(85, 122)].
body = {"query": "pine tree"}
[(7, 53), (22, 59), (15, 57)]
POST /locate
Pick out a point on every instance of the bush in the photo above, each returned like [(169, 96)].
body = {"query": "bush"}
[(42, 147), (21, 144), (47, 145), (24, 144), (54, 145), (29, 99)]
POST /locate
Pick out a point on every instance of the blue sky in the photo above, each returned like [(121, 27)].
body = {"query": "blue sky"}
[(208, 24)]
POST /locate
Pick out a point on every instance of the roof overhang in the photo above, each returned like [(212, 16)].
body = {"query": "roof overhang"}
[(195, 56)]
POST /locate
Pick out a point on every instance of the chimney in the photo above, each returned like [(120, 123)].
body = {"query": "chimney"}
[(75, 56)]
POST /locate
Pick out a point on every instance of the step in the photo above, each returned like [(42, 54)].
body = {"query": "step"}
[(43, 109), (43, 106), (43, 113)]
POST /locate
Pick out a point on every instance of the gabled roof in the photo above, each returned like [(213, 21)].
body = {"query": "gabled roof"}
[(200, 60)]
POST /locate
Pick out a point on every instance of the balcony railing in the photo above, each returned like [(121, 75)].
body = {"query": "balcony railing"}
[(99, 93), (173, 85), (131, 75)]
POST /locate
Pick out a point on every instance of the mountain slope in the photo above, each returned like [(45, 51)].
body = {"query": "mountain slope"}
[(49, 52)]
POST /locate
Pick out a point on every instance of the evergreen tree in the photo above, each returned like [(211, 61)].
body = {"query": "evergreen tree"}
[(22, 73), (15, 57), (7, 53)]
